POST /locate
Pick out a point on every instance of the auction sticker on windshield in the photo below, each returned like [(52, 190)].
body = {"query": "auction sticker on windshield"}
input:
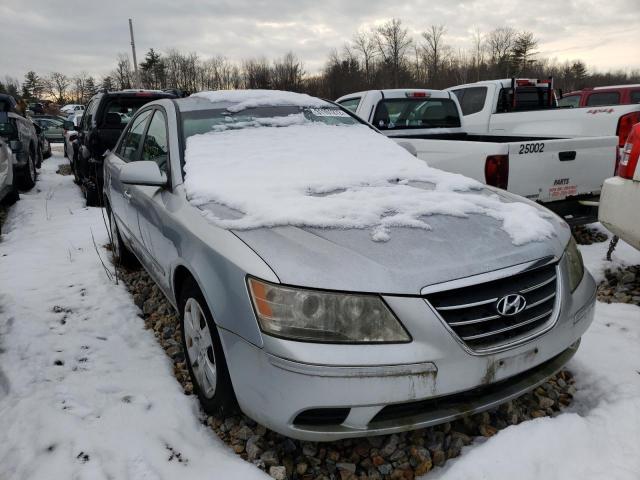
[(328, 112)]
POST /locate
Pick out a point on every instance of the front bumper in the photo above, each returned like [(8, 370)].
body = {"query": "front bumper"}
[(320, 392)]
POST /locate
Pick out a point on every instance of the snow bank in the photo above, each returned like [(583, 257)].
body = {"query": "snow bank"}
[(318, 175), (598, 437), (244, 99), (86, 393)]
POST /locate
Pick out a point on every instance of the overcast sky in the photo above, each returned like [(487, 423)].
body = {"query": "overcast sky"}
[(73, 36)]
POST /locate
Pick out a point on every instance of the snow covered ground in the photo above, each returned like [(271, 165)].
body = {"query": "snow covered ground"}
[(86, 392)]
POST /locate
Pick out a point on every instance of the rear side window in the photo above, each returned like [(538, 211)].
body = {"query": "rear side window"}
[(635, 96), (603, 98), (471, 99), (569, 101), (351, 104), (131, 142), (119, 110), (527, 99), (403, 113)]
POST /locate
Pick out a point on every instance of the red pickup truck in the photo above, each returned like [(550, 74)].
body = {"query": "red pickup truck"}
[(600, 96)]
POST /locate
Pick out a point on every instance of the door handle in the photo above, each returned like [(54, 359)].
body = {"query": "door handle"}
[(127, 195), (567, 156)]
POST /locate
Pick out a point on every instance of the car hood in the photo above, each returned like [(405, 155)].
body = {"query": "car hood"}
[(347, 259)]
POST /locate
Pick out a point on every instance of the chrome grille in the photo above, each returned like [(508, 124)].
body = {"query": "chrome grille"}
[(471, 313)]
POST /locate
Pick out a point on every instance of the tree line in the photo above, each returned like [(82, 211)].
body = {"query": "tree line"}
[(387, 56)]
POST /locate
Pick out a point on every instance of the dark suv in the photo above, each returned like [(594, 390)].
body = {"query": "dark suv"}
[(104, 119)]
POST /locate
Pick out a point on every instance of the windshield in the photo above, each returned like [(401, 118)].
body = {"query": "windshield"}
[(403, 113), (204, 121)]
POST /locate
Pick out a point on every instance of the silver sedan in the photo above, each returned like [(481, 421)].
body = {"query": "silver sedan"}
[(322, 333)]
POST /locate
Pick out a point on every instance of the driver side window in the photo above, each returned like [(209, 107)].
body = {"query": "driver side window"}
[(131, 142)]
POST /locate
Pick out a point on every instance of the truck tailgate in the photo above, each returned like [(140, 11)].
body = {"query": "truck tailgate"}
[(550, 170)]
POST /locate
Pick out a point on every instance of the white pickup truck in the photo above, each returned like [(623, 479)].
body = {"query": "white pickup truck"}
[(492, 107), (564, 173)]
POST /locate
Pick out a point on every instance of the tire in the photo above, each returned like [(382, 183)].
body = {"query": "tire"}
[(48, 153), (91, 193), (204, 355), (11, 198), (29, 174), (122, 256), (39, 156)]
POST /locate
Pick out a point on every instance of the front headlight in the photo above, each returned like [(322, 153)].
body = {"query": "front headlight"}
[(574, 264), (317, 316)]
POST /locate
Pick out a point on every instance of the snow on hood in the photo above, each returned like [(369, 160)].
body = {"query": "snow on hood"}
[(326, 176), (244, 99)]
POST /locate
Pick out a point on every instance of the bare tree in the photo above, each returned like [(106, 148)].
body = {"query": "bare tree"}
[(287, 73), (123, 74), (393, 42), (499, 44), (256, 73), (478, 51), (56, 85), (365, 44), (434, 50)]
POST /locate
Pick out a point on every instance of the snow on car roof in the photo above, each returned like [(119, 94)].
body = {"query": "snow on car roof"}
[(328, 176), (244, 99)]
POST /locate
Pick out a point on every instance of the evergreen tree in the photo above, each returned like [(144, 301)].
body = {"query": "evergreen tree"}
[(32, 86), (523, 51)]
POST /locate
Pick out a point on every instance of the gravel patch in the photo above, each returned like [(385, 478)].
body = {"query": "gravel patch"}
[(398, 456), (64, 169), (586, 235), (620, 285)]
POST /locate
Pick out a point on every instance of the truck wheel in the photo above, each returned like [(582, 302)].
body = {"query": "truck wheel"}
[(203, 353), (29, 174)]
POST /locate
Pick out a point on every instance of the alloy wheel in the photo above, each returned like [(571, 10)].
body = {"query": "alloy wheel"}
[(200, 348)]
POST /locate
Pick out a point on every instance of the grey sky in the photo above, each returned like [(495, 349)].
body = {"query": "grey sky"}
[(73, 36)]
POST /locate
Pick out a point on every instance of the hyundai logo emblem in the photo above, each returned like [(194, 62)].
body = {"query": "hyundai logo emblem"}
[(511, 305)]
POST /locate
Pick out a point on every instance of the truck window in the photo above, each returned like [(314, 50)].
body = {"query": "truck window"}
[(471, 99), (527, 98), (402, 113), (635, 96), (351, 103), (572, 101), (603, 98)]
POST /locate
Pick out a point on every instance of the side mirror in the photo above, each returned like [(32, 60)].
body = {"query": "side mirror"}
[(67, 125), (144, 172)]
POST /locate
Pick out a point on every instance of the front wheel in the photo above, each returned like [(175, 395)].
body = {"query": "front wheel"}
[(204, 355)]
